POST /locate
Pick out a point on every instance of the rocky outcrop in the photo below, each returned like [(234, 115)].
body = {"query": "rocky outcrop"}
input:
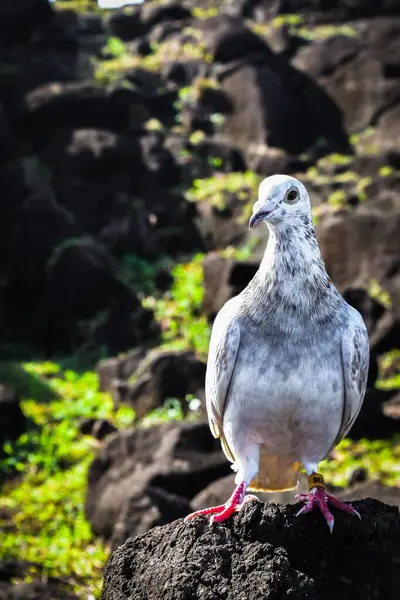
[(177, 458), (264, 551), (161, 375)]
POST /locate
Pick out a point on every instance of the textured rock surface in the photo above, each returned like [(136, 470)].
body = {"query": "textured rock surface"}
[(178, 458), (264, 552)]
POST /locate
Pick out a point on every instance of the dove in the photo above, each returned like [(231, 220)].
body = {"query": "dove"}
[(288, 362)]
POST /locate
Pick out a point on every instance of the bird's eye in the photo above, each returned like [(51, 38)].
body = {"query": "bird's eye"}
[(292, 196)]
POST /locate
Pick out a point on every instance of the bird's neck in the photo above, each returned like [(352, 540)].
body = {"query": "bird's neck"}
[(292, 270)]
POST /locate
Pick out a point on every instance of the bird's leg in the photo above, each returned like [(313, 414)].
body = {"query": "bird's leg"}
[(319, 498), (224, 511)]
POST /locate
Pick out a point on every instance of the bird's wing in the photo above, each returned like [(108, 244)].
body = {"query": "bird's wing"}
[(355, 360), (223, 350)]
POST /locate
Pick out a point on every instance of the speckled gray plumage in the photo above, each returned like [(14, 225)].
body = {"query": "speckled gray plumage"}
[(288, 358)]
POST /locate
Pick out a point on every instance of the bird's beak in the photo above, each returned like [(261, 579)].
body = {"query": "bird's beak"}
[(258, 217)]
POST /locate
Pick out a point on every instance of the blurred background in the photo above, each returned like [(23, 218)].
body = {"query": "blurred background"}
[(132, 142)]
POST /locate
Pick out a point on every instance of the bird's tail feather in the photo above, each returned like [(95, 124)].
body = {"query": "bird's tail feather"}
[(275, 474)]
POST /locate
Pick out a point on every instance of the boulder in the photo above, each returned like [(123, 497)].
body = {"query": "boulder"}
[(178, 458), (223, 279), (147, 508), (118, 367), (80, 104), (275, 105), (264, 551), (19, 20), (360, 72), (161, 375), (81, 282), (227, 38), (369, 248), (319, 11)]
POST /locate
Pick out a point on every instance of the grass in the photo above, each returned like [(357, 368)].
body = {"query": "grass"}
[(41, 509)]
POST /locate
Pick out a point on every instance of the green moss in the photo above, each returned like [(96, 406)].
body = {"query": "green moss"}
[(215, 189), (381, 459), (324, 32), (205, 13), (120, 60), (79, 6), (337, 198)]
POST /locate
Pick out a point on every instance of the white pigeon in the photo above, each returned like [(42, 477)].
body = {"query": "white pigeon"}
[(288, 361)]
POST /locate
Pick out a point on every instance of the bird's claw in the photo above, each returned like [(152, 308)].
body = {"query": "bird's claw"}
[(223, 511), (319, 498)]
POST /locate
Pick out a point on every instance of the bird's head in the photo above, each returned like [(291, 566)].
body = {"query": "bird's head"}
[(280, 198)]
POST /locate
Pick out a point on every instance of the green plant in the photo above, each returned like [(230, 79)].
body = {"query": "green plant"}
[(41, 512), (177, 311), (389, 371), (140, 274), (381, 459), (215, 189), (376, 291), (337, 198)]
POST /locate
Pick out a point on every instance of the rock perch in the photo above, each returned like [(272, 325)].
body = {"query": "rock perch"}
[(262, 553)]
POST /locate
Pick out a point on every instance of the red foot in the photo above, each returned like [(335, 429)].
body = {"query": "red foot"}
[(319, 498), (224, 511)]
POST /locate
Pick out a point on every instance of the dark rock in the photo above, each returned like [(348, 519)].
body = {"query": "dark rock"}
[(126, 25), (81, 281), (36, 590), (159, 161), (372, 489), (223, 279), (179, 458), (359, 73), (161, 375), (77, 105), (148, 508), (227, 38), (12, 419), (97, 428), (89, 153), (223, 225), (19, 179), (369, 250), (42, 224), (372, 422), (277, 106), (119, 367), (8, 144), (92, 175), (154, 14), (269, 161), (319, 11), (182, 72), (382, 324), (360, 475), (19, 20), (264, 551)]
